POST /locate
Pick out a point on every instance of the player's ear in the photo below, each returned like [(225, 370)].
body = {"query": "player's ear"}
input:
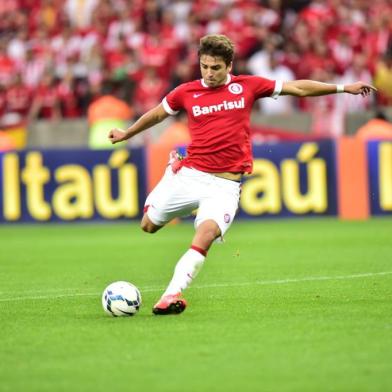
[(229, 67)]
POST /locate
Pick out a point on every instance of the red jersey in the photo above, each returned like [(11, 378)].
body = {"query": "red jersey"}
[(219, 120)]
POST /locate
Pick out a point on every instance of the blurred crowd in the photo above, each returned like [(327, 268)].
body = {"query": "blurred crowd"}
[(58, 56)]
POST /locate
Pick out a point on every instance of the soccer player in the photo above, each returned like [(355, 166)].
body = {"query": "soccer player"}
[(218, 107)]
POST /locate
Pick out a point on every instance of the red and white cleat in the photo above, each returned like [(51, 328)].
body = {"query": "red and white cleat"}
[(170, 304)]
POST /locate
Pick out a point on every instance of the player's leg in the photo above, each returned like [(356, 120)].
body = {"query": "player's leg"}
[(192, 260), (148, 226), (160, 192), (187, 268), (213, 219), (167, 200), (205, 235)]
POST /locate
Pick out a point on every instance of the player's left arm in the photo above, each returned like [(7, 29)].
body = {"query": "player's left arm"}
[(312, 88)]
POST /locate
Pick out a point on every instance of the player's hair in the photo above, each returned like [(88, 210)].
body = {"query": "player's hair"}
[(217, 45)]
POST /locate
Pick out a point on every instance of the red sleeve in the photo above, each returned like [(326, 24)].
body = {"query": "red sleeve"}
[(263, 87), (173, 102)]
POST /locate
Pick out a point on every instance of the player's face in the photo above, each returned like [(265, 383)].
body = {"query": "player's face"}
[(213, 70)]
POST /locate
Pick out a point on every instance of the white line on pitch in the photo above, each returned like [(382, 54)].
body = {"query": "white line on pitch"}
[(208, 286), (305, 279)]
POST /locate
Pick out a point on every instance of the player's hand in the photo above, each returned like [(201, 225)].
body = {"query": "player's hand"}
[(116, 135), (362, 88)]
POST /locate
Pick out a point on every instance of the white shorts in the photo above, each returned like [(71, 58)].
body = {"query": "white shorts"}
[(178, 195)]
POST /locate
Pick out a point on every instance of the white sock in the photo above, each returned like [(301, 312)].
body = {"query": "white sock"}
[(186, 270)]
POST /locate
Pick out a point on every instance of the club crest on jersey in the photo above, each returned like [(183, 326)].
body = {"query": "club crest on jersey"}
[(225, 105), (226, 218), (235, 88)]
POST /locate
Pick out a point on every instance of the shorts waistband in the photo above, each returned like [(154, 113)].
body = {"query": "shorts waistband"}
[(229, 176), (236, 177)]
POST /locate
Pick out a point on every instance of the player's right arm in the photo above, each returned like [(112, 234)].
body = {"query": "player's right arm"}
[(148, 120), (313, 88)]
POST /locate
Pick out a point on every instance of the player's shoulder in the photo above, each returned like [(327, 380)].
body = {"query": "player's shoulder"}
[(188, 86), (245, 78)]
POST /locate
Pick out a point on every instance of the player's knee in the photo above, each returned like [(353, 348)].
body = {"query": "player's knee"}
[(205, 240), (209, 235), (148, 227)]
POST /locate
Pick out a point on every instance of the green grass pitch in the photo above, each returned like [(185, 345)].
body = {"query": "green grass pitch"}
[(283, 305)]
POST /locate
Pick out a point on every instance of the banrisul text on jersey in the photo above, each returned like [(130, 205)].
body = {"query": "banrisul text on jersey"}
[(225, 105)]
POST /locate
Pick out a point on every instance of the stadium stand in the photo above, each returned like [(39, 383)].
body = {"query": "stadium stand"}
[(56, 56)]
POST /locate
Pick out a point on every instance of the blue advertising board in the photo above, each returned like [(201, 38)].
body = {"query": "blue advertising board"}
[(291, 179), (380, 177), (72, 185)]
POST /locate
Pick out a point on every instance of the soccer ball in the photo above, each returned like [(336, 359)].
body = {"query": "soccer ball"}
[(121, 299)]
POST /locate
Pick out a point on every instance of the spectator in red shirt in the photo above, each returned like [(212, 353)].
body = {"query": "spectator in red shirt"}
[(318, 57), (2, 101), (157, 55), (67, 97), (18, 98), (46, 102), (116, 60), (342, 51), (150, 90), (7, 65)]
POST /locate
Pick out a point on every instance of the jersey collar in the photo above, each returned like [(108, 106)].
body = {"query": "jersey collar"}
[(228, 80)]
